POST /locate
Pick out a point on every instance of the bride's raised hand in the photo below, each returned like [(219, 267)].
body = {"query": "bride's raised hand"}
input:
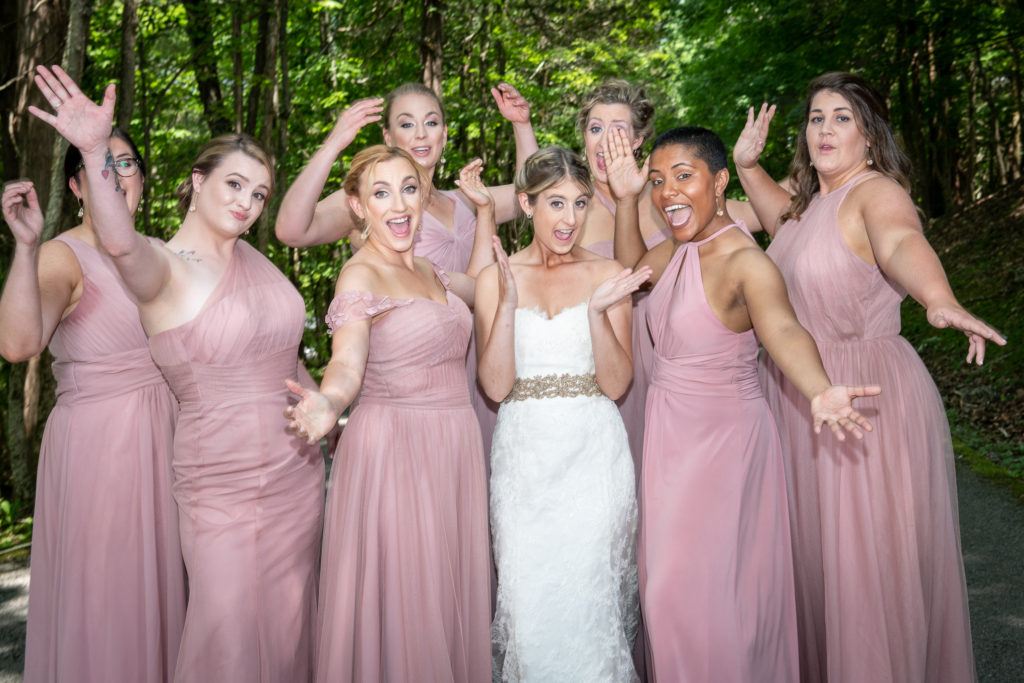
[(472, 186), (753, 137), (616, 288), (82, 122), (625, 178), (508, 295)]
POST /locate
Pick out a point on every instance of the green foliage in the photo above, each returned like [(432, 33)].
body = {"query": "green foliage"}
[(15, 526)]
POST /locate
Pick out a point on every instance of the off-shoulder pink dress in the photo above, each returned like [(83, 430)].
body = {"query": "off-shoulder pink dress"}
[(450, 250), (107, 593), (880, 580), (405, 588), (716, 568), (250, 494)]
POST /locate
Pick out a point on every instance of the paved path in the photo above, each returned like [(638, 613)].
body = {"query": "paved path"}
[(991, 525)]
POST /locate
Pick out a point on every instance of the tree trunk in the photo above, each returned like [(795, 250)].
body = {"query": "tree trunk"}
[(268, 120), (199, 27), (236, 63), (432, 44), (126, 89)]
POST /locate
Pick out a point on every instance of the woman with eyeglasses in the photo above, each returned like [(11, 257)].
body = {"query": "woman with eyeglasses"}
[(107, 595)]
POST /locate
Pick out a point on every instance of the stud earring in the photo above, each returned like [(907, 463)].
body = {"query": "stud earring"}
[(529, 216), (81, 208)]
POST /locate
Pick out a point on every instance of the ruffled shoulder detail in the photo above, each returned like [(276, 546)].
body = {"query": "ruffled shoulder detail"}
[(350, 306)]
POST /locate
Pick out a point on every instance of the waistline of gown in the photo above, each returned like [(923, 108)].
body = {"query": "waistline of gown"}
[(196, 384), (436, 387), (700, 380), (116, 375)]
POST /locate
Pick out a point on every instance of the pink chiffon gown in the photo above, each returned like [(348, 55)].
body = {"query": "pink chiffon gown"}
[(107, 593), (880, 580), (250, 494), (716, 572), (405, 592), (450, 250)]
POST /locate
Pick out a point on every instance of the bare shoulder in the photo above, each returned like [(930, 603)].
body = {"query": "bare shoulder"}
[(357, 276), (58, 263), (750, 263), (879, 192)]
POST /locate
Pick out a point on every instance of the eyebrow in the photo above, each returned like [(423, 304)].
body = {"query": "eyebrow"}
[(387, 184), (839, 108), (432, 112), (622, 121)]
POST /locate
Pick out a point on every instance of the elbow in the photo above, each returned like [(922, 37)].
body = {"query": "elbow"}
[(497, 391), (15, 352)]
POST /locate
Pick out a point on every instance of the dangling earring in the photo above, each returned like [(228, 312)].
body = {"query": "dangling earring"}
[(81, 208), (366, 231), (195, 196), (721, 211)]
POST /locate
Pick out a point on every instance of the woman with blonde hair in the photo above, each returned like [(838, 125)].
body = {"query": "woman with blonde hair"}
[(224, 327), (405, 585)]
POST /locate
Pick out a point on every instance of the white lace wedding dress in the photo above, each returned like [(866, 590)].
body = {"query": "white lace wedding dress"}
[(563, 514)]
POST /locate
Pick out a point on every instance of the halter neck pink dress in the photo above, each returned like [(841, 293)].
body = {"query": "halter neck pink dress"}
[(107, 594), (880, 581), (716, 570), (250, 494), (405, 588), (633, 402)]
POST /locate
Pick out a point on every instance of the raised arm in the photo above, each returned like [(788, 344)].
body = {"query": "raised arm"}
[(41, 280), (626, 182), (903, 253), (516, 110), (473, 189), (793, 349), (305, 220), (494, 319), (610, 314), (768, 199), (144, 267)]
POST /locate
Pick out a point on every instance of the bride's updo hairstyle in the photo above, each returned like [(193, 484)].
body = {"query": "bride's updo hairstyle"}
[(549, 166)]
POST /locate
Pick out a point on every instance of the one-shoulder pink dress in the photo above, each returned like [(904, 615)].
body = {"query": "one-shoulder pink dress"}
[(880, 580), (250, 494), (107, 592), (716, 569), (450, 250), (405, 588)]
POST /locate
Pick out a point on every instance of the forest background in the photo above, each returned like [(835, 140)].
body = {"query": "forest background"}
[(283, 70)]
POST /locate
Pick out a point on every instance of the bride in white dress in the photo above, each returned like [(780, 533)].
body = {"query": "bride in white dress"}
[(553, 330)]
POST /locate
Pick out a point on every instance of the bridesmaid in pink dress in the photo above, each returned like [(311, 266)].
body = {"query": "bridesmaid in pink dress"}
[(249, 494), (451, 238), (716, 575), (404, 594), (879, 576), (107, 596)]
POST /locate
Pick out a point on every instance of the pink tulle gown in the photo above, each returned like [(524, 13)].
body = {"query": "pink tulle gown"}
[(404, 593), (880, 581), (107, 595), (716, 572), (250, 494), (450, 250)]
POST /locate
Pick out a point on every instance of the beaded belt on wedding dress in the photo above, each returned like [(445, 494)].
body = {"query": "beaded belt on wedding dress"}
[(553, 386)]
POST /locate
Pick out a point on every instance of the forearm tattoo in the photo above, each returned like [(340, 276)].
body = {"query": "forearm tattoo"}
[(108, 168)]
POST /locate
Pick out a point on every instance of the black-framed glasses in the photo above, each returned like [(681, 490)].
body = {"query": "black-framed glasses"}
[(125, 168)]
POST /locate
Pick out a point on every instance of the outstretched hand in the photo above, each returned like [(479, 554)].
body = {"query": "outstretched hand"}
[(313, 416), (471, 185), (352, 120), (976, 330), (508, 294), (614, 289), (82, 122), (753, 137), (625, 178), (834, 407), (22, 212), (511, 104)]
